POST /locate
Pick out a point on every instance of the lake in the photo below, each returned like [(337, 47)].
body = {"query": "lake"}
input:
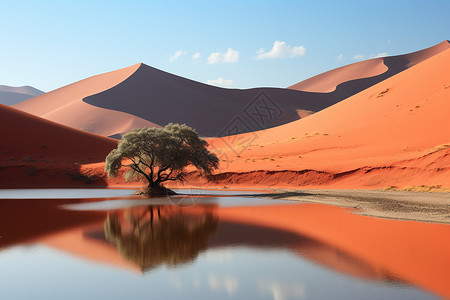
[(111, 244)]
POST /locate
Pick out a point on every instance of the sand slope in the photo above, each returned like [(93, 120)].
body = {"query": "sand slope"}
[(393, 133), (10, 95)]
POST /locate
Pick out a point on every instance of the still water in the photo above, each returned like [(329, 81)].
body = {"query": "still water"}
[(110, 244)]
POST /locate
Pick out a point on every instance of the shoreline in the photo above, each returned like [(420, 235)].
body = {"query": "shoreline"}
[(400, 205)]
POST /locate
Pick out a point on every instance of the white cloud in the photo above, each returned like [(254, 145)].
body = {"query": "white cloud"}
[(228, 283), (282, 291), (358, 57), (281, 50), (196, 56), (177, 55), (228, 57), (382, 54), (340, 57), (220, 82)]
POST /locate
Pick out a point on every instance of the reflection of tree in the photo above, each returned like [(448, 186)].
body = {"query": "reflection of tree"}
[(156, 236)]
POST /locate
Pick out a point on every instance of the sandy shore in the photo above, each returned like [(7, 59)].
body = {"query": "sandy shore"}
[(402, 205)]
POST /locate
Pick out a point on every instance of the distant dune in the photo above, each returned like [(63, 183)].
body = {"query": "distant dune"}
[(10, 95), (351, 79), (393, 133)]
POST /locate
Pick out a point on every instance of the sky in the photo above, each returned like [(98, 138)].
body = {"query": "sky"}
[(239, 44)]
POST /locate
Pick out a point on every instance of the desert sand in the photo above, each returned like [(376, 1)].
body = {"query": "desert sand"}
[(400, 205), (10, 95)]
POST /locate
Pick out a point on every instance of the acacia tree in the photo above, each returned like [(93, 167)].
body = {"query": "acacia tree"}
[(160, 154)]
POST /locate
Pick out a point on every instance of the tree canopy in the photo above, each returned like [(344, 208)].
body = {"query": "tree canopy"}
[(160, 154)]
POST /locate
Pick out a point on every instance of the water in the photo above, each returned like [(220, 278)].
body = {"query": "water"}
[(109, 244)]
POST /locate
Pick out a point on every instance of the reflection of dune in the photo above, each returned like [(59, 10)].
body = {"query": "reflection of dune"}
[(364, 247), (413, 252), (25, 221), (78, 242), (256, 235)]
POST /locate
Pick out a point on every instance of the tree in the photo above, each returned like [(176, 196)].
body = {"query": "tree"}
[(160, 154)]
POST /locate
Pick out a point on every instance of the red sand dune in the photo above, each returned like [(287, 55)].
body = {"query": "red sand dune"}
[(393, 133), (25, 135), (38, 152), (113, 103), (10, 95)]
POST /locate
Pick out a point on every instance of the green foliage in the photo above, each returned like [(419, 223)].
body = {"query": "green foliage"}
[(160, 154)]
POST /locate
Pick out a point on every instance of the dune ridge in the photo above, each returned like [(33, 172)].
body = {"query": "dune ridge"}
[(388, 66)]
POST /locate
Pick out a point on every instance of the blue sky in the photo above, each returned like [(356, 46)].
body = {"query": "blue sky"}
[(48, 44)]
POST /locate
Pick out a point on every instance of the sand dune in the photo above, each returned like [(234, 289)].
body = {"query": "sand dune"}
[(10, 95), (35, 152), (393, 133), (111, 104), (65, 106), (28, 138)]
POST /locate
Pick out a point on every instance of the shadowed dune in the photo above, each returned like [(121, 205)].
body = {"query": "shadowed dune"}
[(10, 95)]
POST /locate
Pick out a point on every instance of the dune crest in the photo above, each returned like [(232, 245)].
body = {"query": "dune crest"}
[(65, 106)]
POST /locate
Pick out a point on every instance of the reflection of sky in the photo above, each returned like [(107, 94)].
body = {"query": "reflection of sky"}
[(62, 193), (185, 201), (238, 273)]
